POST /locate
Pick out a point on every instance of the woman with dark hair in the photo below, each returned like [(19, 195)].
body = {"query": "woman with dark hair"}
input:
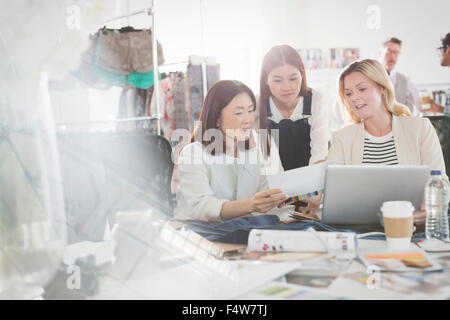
[(222, 170), (287, 103)]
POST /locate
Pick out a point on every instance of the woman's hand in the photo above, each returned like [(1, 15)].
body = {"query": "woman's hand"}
[(420, 215), (266, 200), (313, 206)]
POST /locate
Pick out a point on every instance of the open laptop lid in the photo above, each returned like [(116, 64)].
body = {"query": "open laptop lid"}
[(354, 194)]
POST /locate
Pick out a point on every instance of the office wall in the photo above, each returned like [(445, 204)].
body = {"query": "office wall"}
[(239, 32), (419, 24)]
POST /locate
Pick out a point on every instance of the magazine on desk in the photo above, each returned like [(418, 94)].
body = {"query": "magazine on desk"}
[(301, 241)]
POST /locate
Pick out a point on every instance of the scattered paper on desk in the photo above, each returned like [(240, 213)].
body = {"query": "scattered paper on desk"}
[(286, 291), (435, 245), (417, 285), (300, 181), (414, 260), (406, 261)]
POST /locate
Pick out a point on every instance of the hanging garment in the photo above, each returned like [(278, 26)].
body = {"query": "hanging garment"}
[(92, 70), (86, 72), (195, 80), (124, 52), (141, 80), (132, 103), (110, 75), (212, 75), (166, 128), (181, 115), (194, 74)]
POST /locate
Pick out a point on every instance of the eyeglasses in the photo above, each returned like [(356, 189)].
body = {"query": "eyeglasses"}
[(393, 52), (440, 48)]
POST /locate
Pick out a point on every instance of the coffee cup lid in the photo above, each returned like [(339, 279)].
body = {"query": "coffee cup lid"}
[(397, 208)]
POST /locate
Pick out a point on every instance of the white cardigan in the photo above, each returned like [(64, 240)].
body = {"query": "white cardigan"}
[(207, 181), (416, 143)]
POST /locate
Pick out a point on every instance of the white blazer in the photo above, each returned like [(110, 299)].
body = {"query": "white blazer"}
[(207, 181), (416, 143)]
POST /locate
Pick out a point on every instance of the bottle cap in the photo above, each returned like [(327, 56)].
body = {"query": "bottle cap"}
[(435, 172)]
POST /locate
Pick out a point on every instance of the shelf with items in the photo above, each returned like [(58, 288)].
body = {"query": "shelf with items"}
[(437, 94)]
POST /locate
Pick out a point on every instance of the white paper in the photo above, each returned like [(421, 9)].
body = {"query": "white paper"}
[(435, 245), (300, 181)]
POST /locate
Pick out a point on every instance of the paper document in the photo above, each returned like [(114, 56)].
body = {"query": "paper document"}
[(300, 181), (435, 245)]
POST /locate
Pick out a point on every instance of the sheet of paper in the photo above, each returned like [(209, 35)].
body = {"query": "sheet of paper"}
[(435, 245), (300, 181), (288, 291)]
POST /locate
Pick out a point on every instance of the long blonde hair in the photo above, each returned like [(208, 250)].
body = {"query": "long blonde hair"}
[(375, 71)]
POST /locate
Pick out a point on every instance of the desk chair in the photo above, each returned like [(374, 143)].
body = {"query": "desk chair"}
[(442, 126), (104, 173)]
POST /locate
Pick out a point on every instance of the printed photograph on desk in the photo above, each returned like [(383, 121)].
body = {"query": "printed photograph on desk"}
[(414, 260), (286, 291), (444, 261), (311, 280), (419, 285), (431, 282)]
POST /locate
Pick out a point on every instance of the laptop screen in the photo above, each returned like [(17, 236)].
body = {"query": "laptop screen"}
[(354, 194)]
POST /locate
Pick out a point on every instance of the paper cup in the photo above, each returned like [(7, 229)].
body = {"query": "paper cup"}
[(398, 223)]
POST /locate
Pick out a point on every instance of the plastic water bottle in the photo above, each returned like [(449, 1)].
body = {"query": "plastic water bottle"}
[(436, 206)]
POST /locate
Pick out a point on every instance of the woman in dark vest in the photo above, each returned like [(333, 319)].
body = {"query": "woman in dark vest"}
[(287, 103)]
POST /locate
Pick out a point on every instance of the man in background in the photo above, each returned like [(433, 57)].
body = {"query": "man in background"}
[(405, 91), (444, 51)]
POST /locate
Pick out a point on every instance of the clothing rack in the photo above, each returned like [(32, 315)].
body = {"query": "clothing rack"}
[(204, 73), (151, 12), (62, 127)]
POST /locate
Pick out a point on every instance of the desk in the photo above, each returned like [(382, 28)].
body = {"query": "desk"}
[(180, 264), (158, 275)]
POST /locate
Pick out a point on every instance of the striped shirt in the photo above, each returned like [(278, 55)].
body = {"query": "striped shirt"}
[(379, 150)]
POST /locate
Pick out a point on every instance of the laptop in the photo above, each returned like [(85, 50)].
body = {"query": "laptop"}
[(353, 195)]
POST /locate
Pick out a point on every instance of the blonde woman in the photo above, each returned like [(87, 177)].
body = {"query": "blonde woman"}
[(383, 131)]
